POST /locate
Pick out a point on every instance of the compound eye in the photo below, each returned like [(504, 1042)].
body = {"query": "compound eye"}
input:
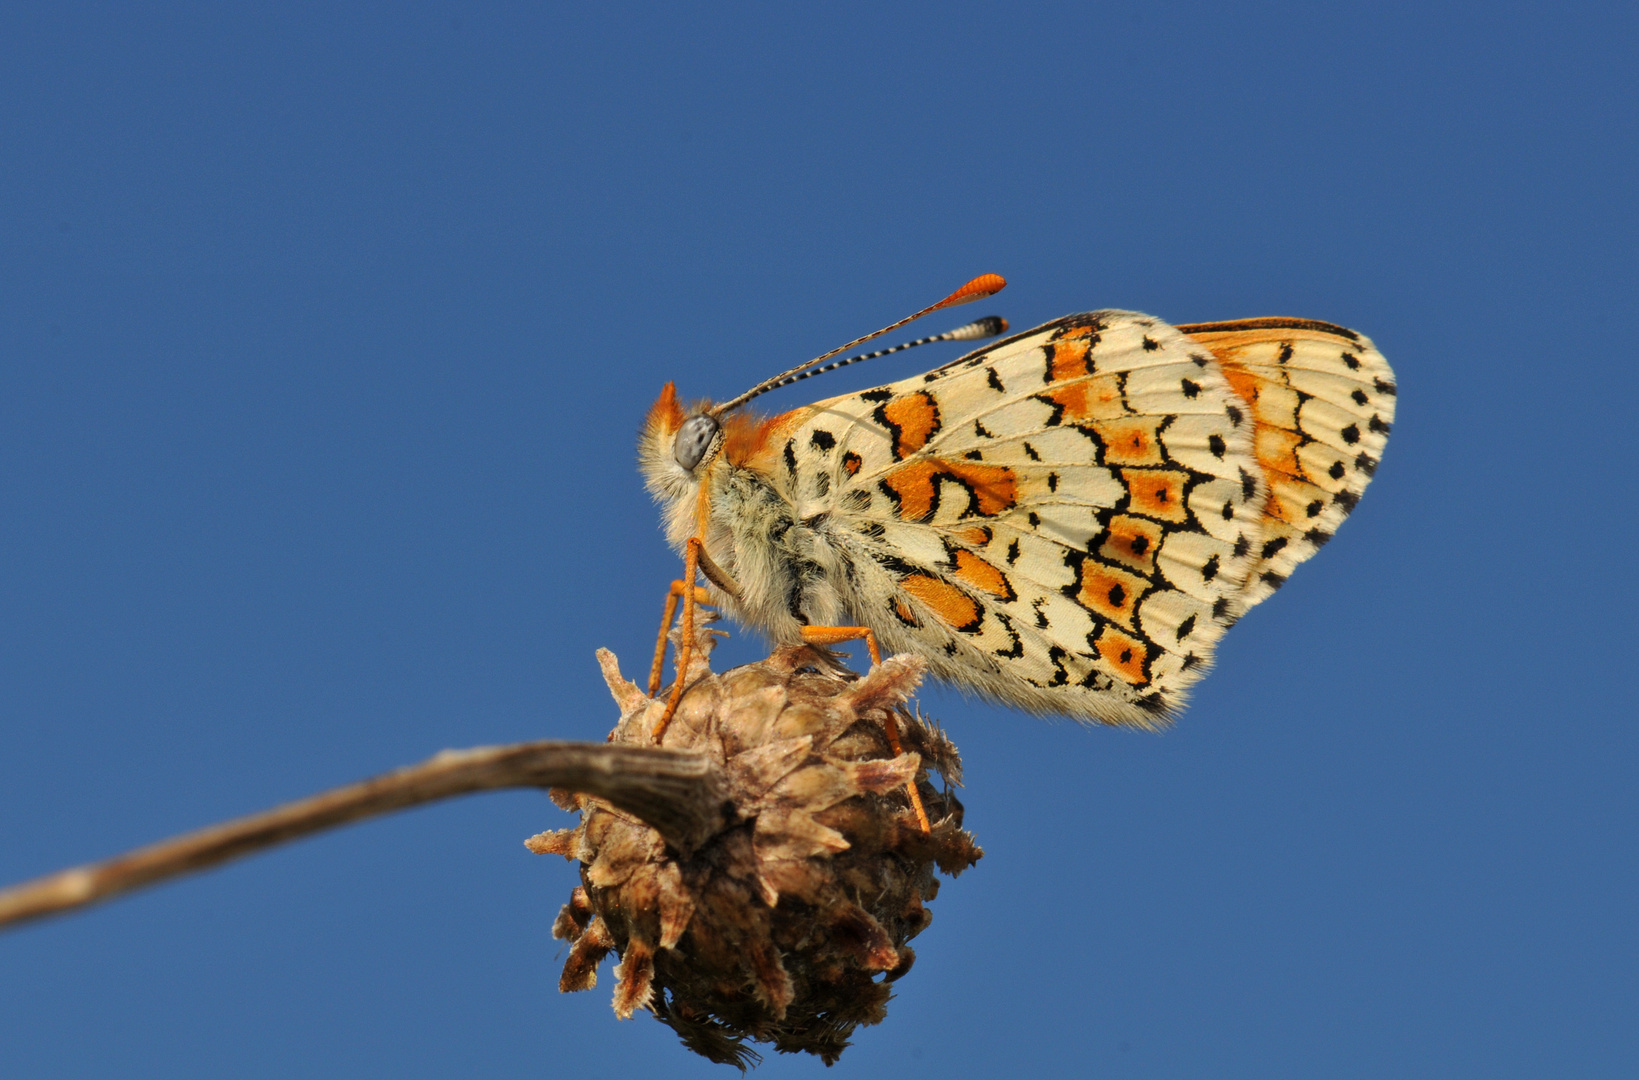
[(694, 438)]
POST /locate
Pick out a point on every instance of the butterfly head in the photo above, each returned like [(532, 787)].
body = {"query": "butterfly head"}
[(677, 445)]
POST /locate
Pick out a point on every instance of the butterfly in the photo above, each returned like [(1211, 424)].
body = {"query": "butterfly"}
[(1066, 520)]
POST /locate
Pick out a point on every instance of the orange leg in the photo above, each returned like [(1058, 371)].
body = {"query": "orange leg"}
[(836, 635), (655, 671), (685, 647)]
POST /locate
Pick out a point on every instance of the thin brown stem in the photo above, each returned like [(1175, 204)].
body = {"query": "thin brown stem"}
[(678, 792)]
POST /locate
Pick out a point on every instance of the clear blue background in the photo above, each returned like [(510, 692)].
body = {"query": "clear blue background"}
[(324, 337)]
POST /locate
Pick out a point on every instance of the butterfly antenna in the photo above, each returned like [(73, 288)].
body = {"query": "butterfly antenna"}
[(977, 330), (985, 285)]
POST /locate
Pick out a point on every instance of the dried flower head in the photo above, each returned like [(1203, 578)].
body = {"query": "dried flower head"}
[(784, 920)]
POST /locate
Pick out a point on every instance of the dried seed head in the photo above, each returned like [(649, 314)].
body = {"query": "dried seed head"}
[(786, 925)]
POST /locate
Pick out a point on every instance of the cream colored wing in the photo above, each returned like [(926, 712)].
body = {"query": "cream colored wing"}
[(1063, 521), (1321, 399)]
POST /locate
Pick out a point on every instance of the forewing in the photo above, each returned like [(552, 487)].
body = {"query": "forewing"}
[(1061, 521), (1322, 402)]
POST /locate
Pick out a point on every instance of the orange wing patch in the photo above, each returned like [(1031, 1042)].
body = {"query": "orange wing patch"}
[(1098, 398), (913, 420), (1109, 592), (1125, 655), (914, 486), (1132, 542), (954, 607), (1067, 358), (1131, 440), (974, 571), (1157, 493)]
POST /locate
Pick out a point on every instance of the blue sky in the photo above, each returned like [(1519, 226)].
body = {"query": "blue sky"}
[(325, 332)]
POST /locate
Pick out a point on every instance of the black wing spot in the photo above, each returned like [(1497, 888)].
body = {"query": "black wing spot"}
[(994, 380), (1351, 434), (1220, 608), (1336, 471), (791, 456), (1234, 415), (974, 455), (1229, 511), (1052, 481), (1285, 352), (1186, 628), (1189, 661), (1034, 519), (1317, 537), (1273, 546), (1013, 552), (1150, 344), (1210, 570), (1030, 452), (1314, 508), (1249, 485), (1347, 499), (1191, 389), (1057, 654), (882, 394), (979, 430), (1366, 464), (1117, 596), (1154, 704), (1041, 619), (1359, 397), (822, 440), (1242, 546), (1216, 444), (1272, 579), (1352, 360), (1376, 424), (1385, 387)]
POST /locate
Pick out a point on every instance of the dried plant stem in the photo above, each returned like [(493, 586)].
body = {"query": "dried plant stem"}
[(678, 792)]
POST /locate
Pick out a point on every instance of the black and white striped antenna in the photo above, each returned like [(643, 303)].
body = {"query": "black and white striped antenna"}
[(985, 285), (988, 327)]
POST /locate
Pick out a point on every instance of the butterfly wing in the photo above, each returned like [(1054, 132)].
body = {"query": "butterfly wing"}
[(1063, 521), (1322, 403)]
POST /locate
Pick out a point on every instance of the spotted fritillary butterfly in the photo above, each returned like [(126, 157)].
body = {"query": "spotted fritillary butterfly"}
[(1065, 520)]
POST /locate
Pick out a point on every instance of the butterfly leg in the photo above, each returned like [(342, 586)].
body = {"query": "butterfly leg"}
[(676, 592), (836, 635), (685, 646)]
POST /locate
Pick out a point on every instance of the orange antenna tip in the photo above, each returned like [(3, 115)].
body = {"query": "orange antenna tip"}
[(980, 287)]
